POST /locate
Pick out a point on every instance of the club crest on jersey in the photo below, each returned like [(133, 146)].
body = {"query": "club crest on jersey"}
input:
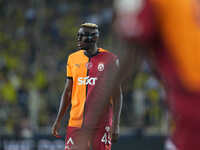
[(101, 67), (88, 65)]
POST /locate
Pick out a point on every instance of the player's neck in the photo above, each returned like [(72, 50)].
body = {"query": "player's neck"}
[(93, 50)]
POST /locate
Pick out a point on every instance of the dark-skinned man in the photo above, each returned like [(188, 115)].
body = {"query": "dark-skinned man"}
[(87, 74)]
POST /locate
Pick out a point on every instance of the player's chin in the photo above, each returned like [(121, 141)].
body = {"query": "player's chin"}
[(79, 46), (82, 46)]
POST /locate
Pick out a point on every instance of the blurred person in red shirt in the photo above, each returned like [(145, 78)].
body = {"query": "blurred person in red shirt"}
[(168, 34)]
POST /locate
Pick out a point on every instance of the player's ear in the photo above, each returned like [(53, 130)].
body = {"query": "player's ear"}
[(97, 34)]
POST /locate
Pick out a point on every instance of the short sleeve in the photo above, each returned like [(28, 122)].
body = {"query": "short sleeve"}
[(69, 69)]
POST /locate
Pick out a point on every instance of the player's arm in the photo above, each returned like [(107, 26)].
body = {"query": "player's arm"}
[(117, 106), (64, 104)]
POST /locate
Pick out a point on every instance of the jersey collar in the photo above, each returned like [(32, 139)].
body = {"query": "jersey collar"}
[(88, 55)]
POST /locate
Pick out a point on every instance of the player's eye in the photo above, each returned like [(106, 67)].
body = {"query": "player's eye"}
[(86, 34), (95, 34)]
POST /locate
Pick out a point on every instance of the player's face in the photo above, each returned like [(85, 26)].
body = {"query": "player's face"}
[(87, 38)]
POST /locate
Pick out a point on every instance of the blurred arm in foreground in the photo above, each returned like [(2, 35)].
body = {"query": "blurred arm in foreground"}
[(169, 34)]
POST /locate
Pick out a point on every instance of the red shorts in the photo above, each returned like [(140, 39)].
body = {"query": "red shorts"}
[(100, 140)]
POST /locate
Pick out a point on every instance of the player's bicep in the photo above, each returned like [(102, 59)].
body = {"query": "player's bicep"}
[(67, 92), (66, 95), (69, 69), (68, 85), (116, 69), (118, 92)]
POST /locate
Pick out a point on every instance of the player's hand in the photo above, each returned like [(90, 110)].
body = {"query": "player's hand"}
[(115, 134), (55, 129)]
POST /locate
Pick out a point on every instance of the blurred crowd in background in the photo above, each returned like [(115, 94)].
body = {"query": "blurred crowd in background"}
[(36, 37)]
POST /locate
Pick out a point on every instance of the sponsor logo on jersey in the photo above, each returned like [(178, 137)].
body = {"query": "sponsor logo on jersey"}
[(101, 67), (87, 80)]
